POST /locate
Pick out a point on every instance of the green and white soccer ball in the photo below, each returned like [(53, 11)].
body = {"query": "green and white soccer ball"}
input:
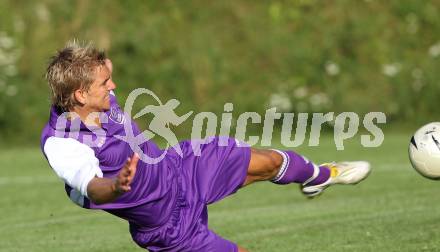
[(424, 150)]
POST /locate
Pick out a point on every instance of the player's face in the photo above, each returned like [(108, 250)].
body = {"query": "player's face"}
[(97, 98)]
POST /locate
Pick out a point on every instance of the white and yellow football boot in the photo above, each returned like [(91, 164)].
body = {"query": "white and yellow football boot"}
[(345, 173)]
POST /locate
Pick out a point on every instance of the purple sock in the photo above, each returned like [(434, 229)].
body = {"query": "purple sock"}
[(297, 169)]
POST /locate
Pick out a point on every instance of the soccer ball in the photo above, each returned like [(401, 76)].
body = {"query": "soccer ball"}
[(424, 150)]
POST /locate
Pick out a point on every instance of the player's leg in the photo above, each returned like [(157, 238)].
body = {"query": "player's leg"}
[(285, 167), (263, 165)]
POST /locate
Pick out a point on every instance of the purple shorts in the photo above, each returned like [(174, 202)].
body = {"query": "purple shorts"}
[(217, 171)]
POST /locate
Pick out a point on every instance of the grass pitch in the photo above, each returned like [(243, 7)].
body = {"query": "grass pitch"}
[(395, 209)]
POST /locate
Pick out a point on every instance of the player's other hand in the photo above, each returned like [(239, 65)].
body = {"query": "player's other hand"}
[(126, 175)]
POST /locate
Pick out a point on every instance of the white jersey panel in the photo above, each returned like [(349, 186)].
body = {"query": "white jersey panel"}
[(75, 163)]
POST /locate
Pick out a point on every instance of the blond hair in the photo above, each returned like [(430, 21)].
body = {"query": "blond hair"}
[(70, 69)]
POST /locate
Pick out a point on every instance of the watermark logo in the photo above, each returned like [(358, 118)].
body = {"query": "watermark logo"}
[(164, 116), (345, 126)]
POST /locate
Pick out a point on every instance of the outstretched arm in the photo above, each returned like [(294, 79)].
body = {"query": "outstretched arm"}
[(106, 190), (180, 119)]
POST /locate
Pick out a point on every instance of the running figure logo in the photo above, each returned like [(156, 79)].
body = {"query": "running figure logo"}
[(164, 115)]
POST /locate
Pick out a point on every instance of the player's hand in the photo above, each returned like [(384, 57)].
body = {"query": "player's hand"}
[(126, 175)]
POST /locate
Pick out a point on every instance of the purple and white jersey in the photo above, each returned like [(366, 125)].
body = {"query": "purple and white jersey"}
[(77, 153), (167, 204)]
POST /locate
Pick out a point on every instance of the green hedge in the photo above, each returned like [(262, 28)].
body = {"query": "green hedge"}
[(303, 55)]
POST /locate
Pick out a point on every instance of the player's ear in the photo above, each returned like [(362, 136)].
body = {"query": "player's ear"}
[(80, 96)]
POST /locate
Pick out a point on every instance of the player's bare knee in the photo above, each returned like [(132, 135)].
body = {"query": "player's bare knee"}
[(276, 162), (265, 164)]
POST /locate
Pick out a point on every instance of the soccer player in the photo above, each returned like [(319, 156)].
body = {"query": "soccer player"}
[(164, 203)]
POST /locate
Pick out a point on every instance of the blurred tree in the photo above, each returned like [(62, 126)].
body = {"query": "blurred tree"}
[(299, 55)]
